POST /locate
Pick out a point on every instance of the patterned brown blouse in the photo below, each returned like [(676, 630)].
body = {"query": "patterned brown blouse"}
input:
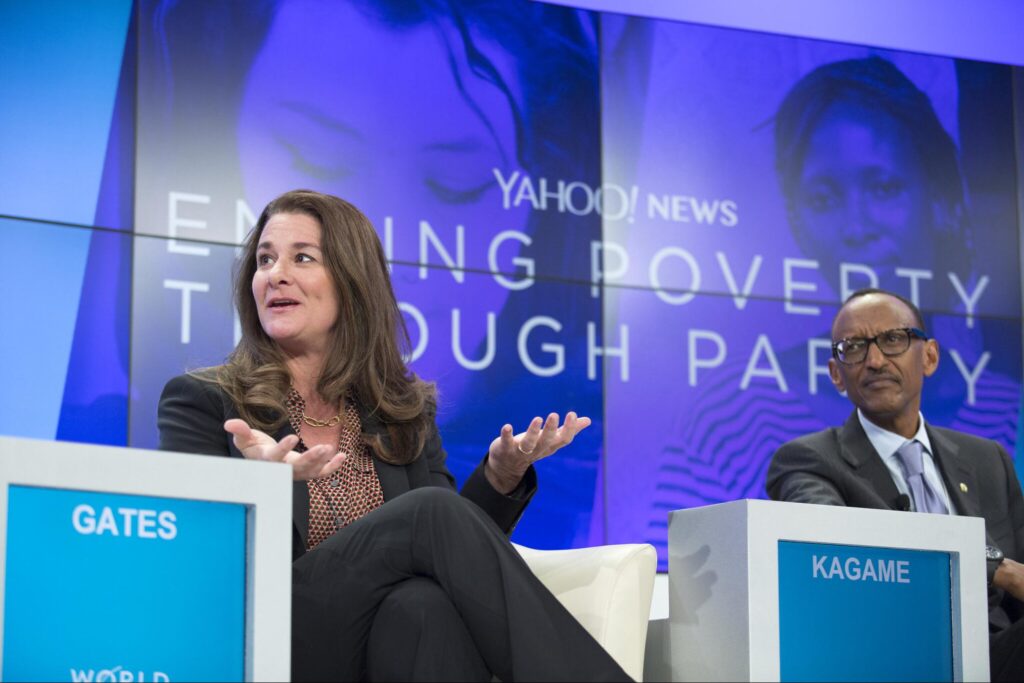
[(348, 494)]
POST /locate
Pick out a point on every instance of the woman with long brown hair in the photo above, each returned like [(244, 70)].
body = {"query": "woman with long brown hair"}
[(395, 578)]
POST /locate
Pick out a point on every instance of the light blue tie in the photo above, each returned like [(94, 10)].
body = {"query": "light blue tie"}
[(911, 456)]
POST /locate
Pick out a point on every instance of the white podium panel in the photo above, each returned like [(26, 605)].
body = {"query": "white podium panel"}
[(762, 590), (132, 565)]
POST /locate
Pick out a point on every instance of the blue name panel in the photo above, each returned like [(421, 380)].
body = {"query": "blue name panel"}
[(852, 613), (113, 587)]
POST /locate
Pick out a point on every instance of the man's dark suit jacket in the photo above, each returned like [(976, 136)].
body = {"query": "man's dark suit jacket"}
[(191, 417), (839, 466)]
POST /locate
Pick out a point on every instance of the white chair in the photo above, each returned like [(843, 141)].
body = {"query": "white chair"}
[(608, 589)]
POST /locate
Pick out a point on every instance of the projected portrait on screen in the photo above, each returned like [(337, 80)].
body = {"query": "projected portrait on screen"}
[(874, 191), (848, 168), (870, 176), (874, 195)]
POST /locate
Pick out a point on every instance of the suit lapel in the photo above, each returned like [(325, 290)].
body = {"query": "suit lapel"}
[(394, 479), (856, 449), (957, 472), (300, 494)]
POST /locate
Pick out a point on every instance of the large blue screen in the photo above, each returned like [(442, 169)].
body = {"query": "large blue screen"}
[(647, 222)]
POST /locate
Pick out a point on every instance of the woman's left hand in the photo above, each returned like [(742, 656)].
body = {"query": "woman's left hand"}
[(511, 455)]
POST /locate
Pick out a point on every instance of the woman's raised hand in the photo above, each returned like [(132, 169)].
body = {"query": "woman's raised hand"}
[(314, 463), (510, 455)]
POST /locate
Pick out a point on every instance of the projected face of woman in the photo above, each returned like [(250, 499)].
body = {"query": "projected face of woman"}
[(339, 102), (862, 195)]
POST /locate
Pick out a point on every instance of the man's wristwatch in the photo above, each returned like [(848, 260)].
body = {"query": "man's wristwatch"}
[(993, 558)]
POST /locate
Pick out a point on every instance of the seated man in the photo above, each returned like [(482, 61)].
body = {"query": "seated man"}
[(886, 456)]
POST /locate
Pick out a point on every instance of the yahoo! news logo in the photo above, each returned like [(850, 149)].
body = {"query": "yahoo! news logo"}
[(117, 674)]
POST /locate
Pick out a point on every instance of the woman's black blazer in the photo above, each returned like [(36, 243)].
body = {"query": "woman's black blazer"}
[(191, 417)]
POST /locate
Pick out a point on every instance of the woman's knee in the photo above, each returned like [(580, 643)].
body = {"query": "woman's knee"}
[(415, 601), (418, 634)]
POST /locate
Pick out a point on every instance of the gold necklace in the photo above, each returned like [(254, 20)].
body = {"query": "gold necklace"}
[(329, 422)]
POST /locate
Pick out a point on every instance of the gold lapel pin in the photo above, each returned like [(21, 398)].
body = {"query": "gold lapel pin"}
[(963, 487)]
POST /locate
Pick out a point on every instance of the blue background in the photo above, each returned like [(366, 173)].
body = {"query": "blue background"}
[(844, 630), (99, 601)]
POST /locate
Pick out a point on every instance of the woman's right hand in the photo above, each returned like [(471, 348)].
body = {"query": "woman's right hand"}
[(314, 463)]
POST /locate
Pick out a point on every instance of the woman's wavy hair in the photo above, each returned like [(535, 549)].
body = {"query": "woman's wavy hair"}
[(877, 85), (366, 343)]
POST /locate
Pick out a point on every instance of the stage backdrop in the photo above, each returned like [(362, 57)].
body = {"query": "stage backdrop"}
[(647, 222)]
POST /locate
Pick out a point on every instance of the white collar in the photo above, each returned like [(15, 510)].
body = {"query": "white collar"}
[(886, 443)]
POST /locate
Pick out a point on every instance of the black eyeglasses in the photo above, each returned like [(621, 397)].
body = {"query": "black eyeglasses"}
[(893, 342)]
